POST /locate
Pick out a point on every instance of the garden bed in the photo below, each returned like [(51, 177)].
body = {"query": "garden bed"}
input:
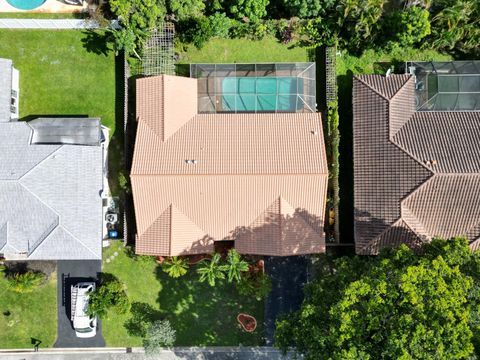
[(248, 322)]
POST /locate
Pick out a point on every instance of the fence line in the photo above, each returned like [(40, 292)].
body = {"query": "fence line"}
[(53, 24)]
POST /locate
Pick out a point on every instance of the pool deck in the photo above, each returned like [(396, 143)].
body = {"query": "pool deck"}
[(49, 6)]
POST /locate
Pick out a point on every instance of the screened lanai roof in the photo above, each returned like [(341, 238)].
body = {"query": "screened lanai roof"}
[(446, 86), (272, 88)]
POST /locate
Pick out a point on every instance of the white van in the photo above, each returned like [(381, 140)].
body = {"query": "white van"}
[(84, 325)]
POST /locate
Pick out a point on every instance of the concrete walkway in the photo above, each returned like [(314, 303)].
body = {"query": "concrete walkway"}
[(208, 353), (52, 24)]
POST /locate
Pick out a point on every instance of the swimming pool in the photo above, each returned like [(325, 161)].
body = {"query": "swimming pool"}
[(26, 4), (261, 94)]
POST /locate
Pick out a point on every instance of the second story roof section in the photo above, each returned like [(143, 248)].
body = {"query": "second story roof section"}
[(416, 172), (255, 88), (257, 178), (446, 86), (9, 94)]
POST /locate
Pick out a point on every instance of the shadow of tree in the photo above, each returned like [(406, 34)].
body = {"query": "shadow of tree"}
[(96, 42), (204, 315), (143, 315)]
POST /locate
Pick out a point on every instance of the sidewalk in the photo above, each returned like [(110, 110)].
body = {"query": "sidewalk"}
[(179, 353)]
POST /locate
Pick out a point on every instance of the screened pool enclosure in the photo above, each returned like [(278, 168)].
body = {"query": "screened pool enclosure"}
[(281, 87), (444, 86)]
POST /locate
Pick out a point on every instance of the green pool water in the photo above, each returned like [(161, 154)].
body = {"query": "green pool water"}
[(261, 93)]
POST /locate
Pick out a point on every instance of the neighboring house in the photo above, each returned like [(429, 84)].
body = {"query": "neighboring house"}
[(417, 173), (259, 179), (50, 186)]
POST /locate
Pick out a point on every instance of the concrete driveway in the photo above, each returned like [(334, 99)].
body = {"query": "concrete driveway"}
[(289, 275), (71, 272)]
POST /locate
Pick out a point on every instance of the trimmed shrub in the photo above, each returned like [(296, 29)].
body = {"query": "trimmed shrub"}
[(159, 334)]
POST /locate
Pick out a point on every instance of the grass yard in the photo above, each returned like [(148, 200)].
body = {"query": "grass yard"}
[(27, 316), (62, 72), (267, 50), (371, 62), (201, 315)]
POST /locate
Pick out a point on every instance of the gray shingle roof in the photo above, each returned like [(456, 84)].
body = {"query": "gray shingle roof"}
[(416, 174), (6, 89), (54, 192)]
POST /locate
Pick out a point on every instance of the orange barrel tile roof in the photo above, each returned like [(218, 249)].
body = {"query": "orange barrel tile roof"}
[(260, 179)]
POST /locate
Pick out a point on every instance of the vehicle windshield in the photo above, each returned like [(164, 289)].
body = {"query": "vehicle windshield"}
[(84, 330)]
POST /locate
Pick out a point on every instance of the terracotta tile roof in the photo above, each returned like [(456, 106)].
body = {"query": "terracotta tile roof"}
[(220, 176), (416, 173)]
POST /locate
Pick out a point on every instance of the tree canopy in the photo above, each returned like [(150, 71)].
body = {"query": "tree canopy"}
[(398, 305)]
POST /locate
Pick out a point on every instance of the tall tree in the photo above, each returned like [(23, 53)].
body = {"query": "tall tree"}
[(399, 305)]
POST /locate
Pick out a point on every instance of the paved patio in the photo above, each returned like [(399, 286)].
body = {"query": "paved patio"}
[(49, 6)]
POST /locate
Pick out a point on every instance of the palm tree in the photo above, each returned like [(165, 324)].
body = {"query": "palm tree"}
[(175, 267), (235, 266), (211, 270)]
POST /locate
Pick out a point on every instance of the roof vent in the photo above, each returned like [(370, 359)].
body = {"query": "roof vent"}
[(194, 161), (187, 161), (314, 132)]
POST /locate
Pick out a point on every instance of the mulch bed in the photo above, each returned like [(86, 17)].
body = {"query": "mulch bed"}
[(248, 322)]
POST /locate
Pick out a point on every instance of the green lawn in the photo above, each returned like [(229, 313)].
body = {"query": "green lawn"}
[(62, 72), (200, 314), (243, 51), (371, 62), (27, 316)]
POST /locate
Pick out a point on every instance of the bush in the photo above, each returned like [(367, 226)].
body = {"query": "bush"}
[(253, 10), (185, 9), (109, 295), (200, 30), (407, 27), (175, 267), (159, 334), (256, 284), (25, 282), (308, 8), (219, 25)]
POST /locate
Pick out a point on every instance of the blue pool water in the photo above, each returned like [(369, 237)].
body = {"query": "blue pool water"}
[(260, 93), (26, 4)]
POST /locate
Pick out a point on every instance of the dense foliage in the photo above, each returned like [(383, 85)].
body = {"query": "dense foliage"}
[(109, 295), (160, 334), (407, 27), (398, 305), (456, 25), (136, 17), (25, 281)]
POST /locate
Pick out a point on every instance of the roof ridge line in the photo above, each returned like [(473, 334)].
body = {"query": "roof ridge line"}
[(139, 119), (233, 174), (394, 143), (40, 162), (379, 235), (370, 87), (401, 87)]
